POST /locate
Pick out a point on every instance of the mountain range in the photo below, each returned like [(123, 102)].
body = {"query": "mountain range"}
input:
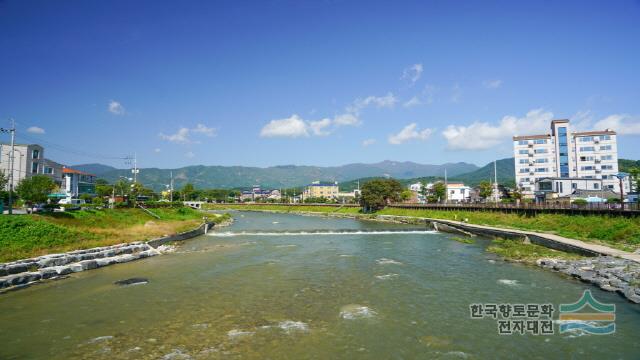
[(227, 177)]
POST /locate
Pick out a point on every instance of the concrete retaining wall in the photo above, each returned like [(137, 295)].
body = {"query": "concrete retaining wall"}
[(202, 229)]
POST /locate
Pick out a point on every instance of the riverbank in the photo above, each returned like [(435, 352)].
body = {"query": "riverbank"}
[(28, 236), (617, 232)]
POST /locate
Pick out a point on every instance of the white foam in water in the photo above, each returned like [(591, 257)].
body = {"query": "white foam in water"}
[(385, 261), (235, 333), (286, 246), (100, 339), (508, 282), (355, 311), (346, 255), (319, 233), (386, 276), (290, 326)]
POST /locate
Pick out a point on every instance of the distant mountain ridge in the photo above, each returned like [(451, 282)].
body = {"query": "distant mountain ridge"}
[(275, 176)]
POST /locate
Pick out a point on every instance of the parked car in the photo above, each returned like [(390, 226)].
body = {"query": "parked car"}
[(36, 208), (71, 204)]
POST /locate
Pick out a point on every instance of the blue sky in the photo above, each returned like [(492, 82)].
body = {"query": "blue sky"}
[(316, 83)]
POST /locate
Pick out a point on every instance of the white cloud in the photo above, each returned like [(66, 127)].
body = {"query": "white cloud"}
[(183, 135), (292, 127), (388, 100), (412, 73), (319, 127), (35, 130), (492, 84), (410, 132), (368, 142), (202, 129), (190, 155), (412, 102), (482, 135), (180, 137), (116, 108), (346, 120), (156, 150), (295, 126), (623, 124)]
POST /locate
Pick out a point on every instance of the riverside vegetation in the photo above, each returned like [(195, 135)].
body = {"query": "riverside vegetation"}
[(34, 235), (619, 232)]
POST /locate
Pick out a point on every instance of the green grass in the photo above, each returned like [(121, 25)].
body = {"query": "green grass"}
[(464, 240), (23, 236), (517, 250), (617, 231)]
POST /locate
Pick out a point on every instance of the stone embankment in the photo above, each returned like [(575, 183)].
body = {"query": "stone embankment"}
[(607, 272), (23, 272), (18, 274)]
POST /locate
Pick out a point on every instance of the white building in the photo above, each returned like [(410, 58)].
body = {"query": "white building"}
[(566, 154), (458, 192), (560, 187)]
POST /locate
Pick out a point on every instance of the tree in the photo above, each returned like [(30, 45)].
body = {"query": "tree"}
[(438, 192), (35, 189), (485, 189), (3, 180), (406, 195), (379, 192), (188, 191)]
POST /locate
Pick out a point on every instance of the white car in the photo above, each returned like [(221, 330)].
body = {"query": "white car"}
[(69, 201)]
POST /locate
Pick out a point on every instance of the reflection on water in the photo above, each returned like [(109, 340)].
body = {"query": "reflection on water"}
[(348, 294)]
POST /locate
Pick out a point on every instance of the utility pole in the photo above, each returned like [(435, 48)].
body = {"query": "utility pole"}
[(495, 180), (171, 187), (12, 131), (135, 168)]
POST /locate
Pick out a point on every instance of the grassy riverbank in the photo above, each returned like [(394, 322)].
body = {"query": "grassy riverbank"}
[(23, 236), (622, 233), (517, 250)]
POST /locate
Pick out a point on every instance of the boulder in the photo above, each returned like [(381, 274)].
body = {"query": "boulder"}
[(88, 264)]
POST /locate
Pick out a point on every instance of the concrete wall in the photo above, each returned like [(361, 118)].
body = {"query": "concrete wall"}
[(202, 229)]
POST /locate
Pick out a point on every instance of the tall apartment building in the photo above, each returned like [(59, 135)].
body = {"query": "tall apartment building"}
[(565, 154)]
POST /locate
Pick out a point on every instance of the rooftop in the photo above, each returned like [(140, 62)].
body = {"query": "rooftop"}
[(74, 171)]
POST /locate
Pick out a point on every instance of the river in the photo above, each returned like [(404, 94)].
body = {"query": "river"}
[(288, 286)]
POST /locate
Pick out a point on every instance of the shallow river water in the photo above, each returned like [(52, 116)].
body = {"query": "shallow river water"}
[(287, 286)]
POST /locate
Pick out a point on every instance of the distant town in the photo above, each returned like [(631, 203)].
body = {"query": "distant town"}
[(561, 166)]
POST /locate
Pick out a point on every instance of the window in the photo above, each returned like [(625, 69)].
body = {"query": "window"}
[(586, 158), (523, 142), (34, 167), (596, 186), (606, 157), (523, 152), (35, 153), (587, 148), (605, 137), (541, 161), (585, 138), (524, 170), (48, 170), (540, 151), (607, 167), (605, 147), (540, 141), (524, 161), (587, 168), (542, 169), (574, 186)]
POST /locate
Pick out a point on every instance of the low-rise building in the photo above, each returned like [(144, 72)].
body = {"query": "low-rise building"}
[(28, 160), (458, 192), (318, 189), (77, 183)]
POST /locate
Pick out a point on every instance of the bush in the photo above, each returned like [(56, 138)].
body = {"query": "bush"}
[(580, 202)]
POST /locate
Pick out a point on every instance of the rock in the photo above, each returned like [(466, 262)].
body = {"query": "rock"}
[(63, 270), (48, 273), (77, 267), (88, 264), (132, 281), (125, 258), (16, 268)]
